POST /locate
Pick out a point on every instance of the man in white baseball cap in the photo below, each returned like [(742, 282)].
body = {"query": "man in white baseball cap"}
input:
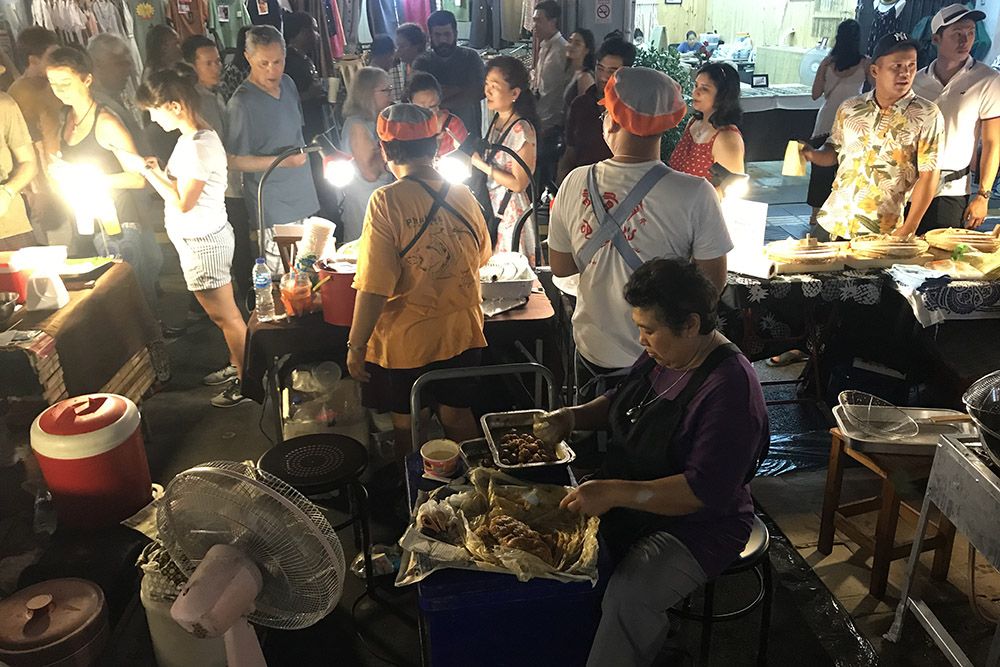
[(611, 217), (968, 94)]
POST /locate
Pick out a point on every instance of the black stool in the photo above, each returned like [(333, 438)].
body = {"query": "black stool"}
[(318, 464), (754, 557)]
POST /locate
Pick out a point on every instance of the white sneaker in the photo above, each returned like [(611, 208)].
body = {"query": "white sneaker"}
[(221, 376)]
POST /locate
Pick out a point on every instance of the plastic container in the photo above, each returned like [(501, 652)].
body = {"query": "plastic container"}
[(91, 453), (60, 622), (263, 298), (338, 295), (172, 645), (13, 276)]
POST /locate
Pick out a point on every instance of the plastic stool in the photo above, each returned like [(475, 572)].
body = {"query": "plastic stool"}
[(754, 557), (318, 464)]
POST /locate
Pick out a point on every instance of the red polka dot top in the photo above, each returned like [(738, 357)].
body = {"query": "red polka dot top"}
[(693, 158)]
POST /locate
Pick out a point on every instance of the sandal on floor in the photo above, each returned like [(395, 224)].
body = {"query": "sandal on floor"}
[(788, 358)]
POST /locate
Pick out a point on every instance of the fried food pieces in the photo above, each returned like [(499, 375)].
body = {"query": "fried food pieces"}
[(519, 448), (507, 531)]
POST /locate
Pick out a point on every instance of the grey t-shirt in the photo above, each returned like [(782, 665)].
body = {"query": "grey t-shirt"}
[(463, 69), (258, 124)]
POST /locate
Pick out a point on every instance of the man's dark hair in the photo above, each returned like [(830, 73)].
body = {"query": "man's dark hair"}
[(405, 152), (382, 45), (294, 23), (421, 81), (413, 34), (33, 41), (72, 58), (440, 18), (616, 46), (675, 289), (551, 10), (190, 46)]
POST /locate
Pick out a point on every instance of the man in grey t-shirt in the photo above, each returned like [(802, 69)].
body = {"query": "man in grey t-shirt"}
[(263, 118)]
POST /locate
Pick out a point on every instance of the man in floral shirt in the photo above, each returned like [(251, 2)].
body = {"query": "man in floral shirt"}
[(886, 143)]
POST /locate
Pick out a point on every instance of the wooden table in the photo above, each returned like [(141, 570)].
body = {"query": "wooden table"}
[(896, 499), (104, 340)]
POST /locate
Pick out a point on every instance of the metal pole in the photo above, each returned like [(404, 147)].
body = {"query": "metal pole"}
[(312, 148)]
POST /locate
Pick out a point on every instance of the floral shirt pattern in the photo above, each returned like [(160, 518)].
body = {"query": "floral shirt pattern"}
[(521, 133), (881, 153)]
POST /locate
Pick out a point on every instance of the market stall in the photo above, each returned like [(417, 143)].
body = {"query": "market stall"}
[(775, 115), (50, 355)]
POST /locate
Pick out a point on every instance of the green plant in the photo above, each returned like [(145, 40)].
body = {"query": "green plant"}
[(669, 62)]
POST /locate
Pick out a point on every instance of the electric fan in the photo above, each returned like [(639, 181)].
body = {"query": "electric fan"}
[(809, 64), (254, 549)]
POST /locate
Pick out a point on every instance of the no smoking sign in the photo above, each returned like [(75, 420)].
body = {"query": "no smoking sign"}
[(602, 10)]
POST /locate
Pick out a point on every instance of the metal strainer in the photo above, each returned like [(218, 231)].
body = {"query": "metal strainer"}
[(982, 402), (875, 417)]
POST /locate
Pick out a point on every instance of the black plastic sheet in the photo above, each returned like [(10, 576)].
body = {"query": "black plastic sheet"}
[(796, 452)]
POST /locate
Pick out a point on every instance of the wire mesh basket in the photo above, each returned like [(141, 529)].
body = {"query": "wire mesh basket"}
[(875, 417), (982, 402)]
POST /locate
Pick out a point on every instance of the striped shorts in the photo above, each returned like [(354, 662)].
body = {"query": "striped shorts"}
[(205, 260)]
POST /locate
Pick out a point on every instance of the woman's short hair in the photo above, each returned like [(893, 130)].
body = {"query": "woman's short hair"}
[(727, 94), (420, 82), (413, 34), (72, 58), (172, 84), (690, 33), (675, 289), (588, 39), (361, 94), (516, 75)]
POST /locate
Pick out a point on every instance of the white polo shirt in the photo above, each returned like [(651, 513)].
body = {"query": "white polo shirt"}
[(972, 95), (679, 218)]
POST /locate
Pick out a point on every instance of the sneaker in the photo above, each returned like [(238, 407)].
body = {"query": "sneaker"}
[(221, 376), (230, 397)]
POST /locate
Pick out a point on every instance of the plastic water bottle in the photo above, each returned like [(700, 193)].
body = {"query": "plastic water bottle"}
[(262, 290)]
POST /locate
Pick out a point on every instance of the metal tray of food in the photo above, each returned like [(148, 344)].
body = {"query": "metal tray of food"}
[(476, 453), (498, 424), (923, 443)]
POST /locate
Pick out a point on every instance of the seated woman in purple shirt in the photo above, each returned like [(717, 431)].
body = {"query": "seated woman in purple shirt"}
[(688, 427)]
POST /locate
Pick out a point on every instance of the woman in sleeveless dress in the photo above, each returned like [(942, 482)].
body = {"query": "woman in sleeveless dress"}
[(840, 76), (712, 136), (508, 95)]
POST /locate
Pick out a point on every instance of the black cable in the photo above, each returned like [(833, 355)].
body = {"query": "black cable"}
[(361, 636)]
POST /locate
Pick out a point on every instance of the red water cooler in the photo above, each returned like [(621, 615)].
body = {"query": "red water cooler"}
[(92, 456)]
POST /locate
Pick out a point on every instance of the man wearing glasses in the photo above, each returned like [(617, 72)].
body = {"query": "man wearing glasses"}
[(584, 139)]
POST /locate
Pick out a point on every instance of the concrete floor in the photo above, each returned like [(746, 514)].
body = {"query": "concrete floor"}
[(186, 430)]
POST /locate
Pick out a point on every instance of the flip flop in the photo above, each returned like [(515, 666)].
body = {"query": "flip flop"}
[(788, 358)]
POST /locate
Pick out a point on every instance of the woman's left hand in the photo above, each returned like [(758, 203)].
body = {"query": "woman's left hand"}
[(356, 365), (592, 498)]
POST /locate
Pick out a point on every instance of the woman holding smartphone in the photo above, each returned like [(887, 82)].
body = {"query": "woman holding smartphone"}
[(193, 187)]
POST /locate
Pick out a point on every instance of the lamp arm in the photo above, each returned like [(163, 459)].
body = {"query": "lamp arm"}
[(295, 150)]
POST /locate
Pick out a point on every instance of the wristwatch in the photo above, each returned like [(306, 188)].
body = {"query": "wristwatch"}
[(985, 194)]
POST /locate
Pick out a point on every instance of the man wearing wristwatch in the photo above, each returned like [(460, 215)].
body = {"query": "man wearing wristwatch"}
[(968, 94), (17, 168)]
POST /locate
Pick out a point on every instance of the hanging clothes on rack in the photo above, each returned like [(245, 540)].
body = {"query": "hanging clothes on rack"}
[(225, 18), (460, 8), (190, 17), (417, 11), (350, 13), (382, 17), (485, 28), (510, 20), (886, 21), (145, 14), (336, 30), (264, 12), (13, 12)]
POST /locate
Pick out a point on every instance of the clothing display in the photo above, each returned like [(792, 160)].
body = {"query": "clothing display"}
[(145, 14), (190, 17), (382, 17), (225, 18), (417, 11), (885, 23), (264, 12), (460, 8), (881, 154), (602, 325), (426, 292)]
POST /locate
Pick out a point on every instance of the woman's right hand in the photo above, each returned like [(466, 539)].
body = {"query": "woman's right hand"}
[(554, 427)]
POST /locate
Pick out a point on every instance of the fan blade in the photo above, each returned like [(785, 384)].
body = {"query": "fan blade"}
[(242, 647), (221, 591)]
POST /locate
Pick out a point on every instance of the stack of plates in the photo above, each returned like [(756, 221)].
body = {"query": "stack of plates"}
[(948, 239), (886, 246), (802, 251)]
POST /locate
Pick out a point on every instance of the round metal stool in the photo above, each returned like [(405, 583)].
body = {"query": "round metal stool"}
[(755, 556), (318, 464)]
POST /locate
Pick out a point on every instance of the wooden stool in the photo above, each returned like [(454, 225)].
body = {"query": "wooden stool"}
[(892, 469)]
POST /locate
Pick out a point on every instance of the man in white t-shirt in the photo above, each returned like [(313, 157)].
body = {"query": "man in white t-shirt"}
[(678, 216), (968, 94)]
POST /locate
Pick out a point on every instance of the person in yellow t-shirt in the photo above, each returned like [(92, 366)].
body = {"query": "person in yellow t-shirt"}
[(418, 299)]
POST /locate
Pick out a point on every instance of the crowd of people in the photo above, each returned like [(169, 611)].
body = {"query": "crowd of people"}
[(647, 241)]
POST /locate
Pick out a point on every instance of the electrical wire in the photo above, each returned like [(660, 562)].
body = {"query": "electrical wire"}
[(360, 635)]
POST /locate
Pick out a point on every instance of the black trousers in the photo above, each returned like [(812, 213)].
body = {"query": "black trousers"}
[(943, 212)]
